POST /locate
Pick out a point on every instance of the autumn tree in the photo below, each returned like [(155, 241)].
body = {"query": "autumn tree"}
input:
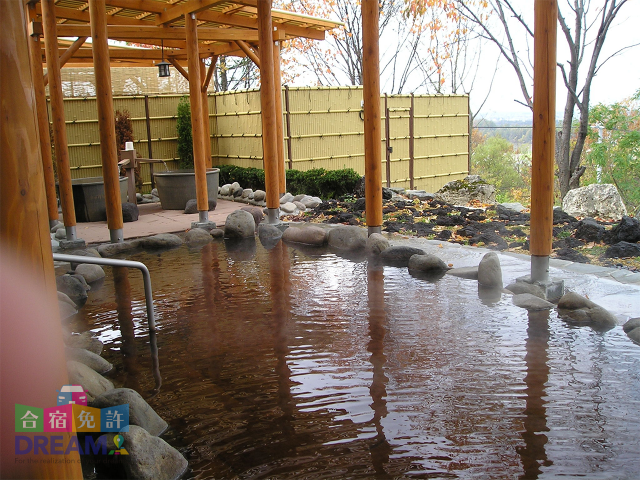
[(584, 26)]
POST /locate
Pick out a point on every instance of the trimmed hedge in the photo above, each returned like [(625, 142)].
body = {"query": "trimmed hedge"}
[(326, 184)]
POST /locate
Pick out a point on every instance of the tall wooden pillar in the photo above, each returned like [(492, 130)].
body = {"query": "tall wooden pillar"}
[(372, 130), (277, 77), (32, 359), (106, 119), (197, 127), (206, 128), (43, 125), (57, 112), (267, 101), (543, 143)]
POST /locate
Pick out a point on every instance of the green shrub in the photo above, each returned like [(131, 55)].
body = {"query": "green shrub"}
[(317, 182), (185, 140)]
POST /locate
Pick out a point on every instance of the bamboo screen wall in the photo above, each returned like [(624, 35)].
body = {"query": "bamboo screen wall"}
[(323, 129)]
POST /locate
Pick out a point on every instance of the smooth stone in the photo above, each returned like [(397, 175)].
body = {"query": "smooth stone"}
[(288, 207), (489, 271), (85, 341), (258, 216), (427, 263), (513, 206), (269, 233), (239, 224), (63, 297), (237, 192), (470, 273), (531, 302), (631, 324), (225, 190), (91, 381), (55, 228), (299, 205), (376, 244), (140, 412), (197, 236), (634, 335), (130, 212), (235, 185), (90, 359), (347, 238), (216, 233), (399, 256), (310, 202), (421, 195), (192, 206), (583, 310), (60, 234), (110, 249), (150, 457), (286, 198), (138, 197), (66, 310), (91, 273), (520, 288), (161, 240), (246, 193), (308, 235), (259, 195), (73, 288), (299, 197)]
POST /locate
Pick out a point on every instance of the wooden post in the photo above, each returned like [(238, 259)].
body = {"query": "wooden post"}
[(288, 122), (412, 142), (206, 129), (372, 133), (277, 78), (149, 148), (267, 101), (43, 126), (197, 127), (32, 358), (66, 56), (387, 140), (57, 112), (543, 142), (106, 119)]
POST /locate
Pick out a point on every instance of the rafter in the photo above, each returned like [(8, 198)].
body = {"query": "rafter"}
[(122, 32), (192, 6)]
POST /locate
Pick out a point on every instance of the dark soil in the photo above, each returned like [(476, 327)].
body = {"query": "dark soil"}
[(488, 226)]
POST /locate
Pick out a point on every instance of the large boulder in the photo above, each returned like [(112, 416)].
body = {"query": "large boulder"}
[(581, 310), (73, 288), (631, 324), (376, 244), (268, 234), (161, 240), (627, 230), (489, 271), (308, 235), (90, 359), (257, 213), (150, 457), (462, 192), (623, 250), (589, 230), (347, 238), (399, 256), (596, 200), (92, 382), (140, 412), (239, 224)]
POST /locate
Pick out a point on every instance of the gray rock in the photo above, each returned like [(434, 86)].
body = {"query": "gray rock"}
[(461, 192), (520, 288), (489, 271), (623, 250), (90, 359), (92, 382), (66, 310), (216, 233), (239, 224), (634, 335), (235, 185), (258, 216), (420, 195), (91, 273), (286, 198), (299, 205), (63, 297), (225, 190), (470, 273), (85, 341), (247, 192), (60, 234), (514, 206), (376, 244), (631, 324), (589, 230), (161, 240), (197, 236), (154, 192), (399, 256), (299, 197), (427, 263), (130, 212), (192, 206), (288, 207), (308, 235), (150, 457), (138, 197), (310, 202), (259, 195), (269, 233), (55, 228), (140, 412), (626, 230), (531, 302), (582, 310), (73, 288), (237, 191), (347, 238), (110, 249), (596, 200)]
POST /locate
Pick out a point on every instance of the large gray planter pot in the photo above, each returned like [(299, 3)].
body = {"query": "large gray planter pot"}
[(177, 187), (89, 198)]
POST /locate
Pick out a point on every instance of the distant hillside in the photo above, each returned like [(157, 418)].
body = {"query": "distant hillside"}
[(518, 132)]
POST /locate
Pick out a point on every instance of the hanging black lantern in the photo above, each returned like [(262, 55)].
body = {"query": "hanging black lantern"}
[(163, 67)]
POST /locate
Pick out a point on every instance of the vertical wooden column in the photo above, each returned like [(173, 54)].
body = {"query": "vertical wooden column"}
[(197, 127), (412, 142), (206, 128), (387, 140), (277, 78), (57, 112), (106, 119), (288, 121), (149, 147), (43, 126), (32, 359), (372, 130), (543, 143), (267, 101)]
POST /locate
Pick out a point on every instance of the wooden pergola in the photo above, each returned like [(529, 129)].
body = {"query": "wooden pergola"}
[(188, 32)]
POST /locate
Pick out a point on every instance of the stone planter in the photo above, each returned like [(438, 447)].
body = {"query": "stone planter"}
[(89, 198), (177, 187)]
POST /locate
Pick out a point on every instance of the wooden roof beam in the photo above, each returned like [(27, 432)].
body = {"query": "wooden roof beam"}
[(250, 53), (122, 32), (66, 56), (81, 16), (178, 12)]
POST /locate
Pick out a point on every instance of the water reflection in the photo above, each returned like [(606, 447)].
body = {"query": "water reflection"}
[(380, 448), (533, 454)]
